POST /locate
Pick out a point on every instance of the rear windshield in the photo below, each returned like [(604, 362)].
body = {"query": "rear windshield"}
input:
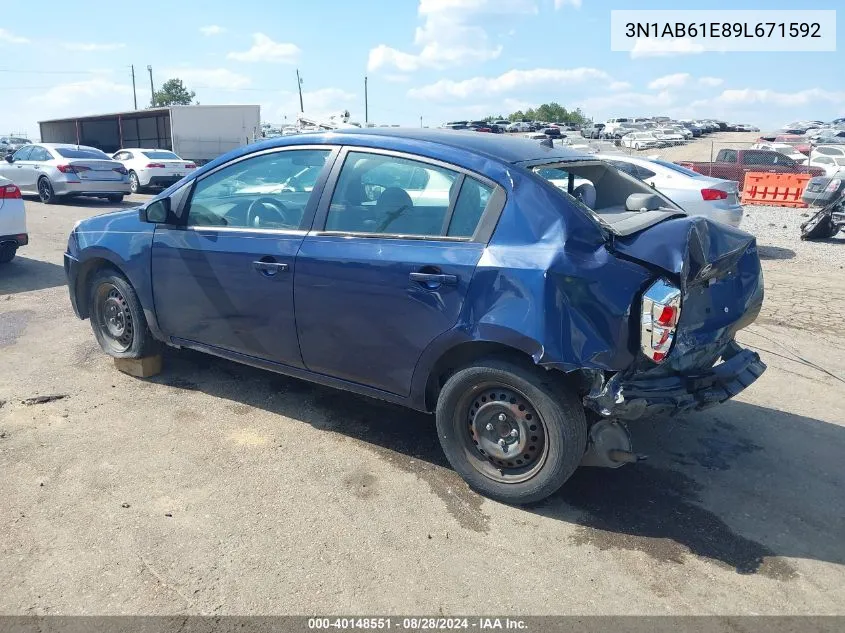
[(161, 154), (602, 191), (80, 152), (678, 168)]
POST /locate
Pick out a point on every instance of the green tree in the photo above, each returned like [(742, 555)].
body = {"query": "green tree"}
[(173, 92)]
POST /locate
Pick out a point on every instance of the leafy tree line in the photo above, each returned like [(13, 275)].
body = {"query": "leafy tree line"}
[(173, 92), (552, 112)]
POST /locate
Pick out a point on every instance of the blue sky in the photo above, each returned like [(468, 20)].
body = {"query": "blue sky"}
[(436, 59)]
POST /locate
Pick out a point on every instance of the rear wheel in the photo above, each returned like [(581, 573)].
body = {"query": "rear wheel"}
[(819, 227), (115, 198), (45, 191), (134, 183), (7, 252), (117, 317), (515, 434)]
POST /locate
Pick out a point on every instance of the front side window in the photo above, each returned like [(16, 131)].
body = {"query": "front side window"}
[(269, 191), (23, 153), (390, 195)]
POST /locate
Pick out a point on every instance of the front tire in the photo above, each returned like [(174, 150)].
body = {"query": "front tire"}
[(515, 434), (7, 252), (45, 191), (117, 317)]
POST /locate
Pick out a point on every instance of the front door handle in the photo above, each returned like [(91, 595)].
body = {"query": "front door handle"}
[(435, 279), (268, 268)]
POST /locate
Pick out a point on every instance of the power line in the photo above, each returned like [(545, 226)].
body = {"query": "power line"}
[(49, 72)]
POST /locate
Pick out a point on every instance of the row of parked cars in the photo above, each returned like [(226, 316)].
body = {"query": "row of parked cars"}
[(503, 125), (618, 128)]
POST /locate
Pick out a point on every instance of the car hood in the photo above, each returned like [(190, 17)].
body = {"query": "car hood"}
[(126, 221)]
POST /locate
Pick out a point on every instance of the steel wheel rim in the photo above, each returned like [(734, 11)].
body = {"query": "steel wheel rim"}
[(115, 317), (515, 449)]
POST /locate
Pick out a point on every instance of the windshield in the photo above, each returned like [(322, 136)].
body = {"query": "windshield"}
[(80, 152), (161, 154)]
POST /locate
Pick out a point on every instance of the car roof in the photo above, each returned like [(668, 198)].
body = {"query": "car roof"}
[(505, 148), (143, 149)]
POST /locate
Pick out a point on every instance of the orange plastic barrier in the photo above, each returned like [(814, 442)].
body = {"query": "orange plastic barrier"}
[(780, 190)]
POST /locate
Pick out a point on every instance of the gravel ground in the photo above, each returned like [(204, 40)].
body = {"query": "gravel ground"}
[(777, 231)]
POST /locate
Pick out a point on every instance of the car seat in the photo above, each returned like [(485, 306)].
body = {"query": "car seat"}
[(586, 193)]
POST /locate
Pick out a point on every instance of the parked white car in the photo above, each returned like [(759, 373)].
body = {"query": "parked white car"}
[(831, 158), (783, 148), (519, 126), (669, 136), (13, 233), (695, 193), (641, 140), (152, 167)]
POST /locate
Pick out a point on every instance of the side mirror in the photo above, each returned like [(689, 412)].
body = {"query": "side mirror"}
[(157, 212)]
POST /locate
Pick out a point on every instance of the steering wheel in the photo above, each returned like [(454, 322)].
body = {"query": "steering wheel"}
[(267, 211)]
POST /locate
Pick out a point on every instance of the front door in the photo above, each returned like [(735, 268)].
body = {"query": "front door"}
[(223, 277), (20, 171), (388, 268)]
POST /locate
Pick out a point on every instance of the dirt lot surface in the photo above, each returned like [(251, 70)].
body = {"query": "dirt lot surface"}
[(219, 489)]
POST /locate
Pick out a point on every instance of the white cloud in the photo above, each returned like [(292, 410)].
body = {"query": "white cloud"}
[(507, 82), (618, 86), (91, 47), (670, 81), (711, 82), (559, 4), (212, 29), (265, 49), (217, 78), (447, 37), (768, 97), (665, 47), (396, 78), (99, 88), (8, 36), (319, 104)]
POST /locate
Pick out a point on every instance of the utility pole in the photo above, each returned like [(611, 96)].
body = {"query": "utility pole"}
[(134, 94), (152, 88), (299, 86), (366, 109), (420, 121)]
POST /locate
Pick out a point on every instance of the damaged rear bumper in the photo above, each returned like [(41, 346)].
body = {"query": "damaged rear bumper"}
[(631, 396)]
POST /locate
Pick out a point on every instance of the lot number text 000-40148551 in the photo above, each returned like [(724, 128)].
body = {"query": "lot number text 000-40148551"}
[(674, 32)]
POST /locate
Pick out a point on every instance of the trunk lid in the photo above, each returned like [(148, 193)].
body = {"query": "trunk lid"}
[(92, 169), (718, 271)]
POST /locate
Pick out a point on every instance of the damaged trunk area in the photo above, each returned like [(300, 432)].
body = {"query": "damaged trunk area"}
[(717, 272)]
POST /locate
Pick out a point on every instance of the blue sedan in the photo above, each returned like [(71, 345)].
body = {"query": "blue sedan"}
[(533, 298)]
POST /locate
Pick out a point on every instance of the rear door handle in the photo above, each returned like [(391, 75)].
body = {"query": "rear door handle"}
[(269, 268), (435, 278)]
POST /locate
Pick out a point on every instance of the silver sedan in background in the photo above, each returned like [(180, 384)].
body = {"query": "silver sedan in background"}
[(54, 170)]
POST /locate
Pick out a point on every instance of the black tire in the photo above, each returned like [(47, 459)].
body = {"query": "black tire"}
[(117, 317), (134, 184), (555, 430), (7, 252), (45, 191), (115, 198)]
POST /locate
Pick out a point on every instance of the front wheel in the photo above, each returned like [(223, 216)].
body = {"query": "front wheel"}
[(117, 317), (514, 433)]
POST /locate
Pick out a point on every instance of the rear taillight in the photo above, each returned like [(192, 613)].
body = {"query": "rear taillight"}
[(833, 185), (714, 194), (156, 166), (72, 169), (190, 166), (661, 311), (9, 192), (121, 170)]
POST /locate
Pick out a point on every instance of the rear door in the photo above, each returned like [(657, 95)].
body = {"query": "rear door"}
[(387, 266), (223, 275)]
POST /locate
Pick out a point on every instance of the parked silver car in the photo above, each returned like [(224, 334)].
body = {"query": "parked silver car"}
[(53, 170)]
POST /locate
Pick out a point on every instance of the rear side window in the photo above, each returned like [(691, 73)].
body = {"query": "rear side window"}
[(41, 154), (81, 152), (472, 200), (380, 194)]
